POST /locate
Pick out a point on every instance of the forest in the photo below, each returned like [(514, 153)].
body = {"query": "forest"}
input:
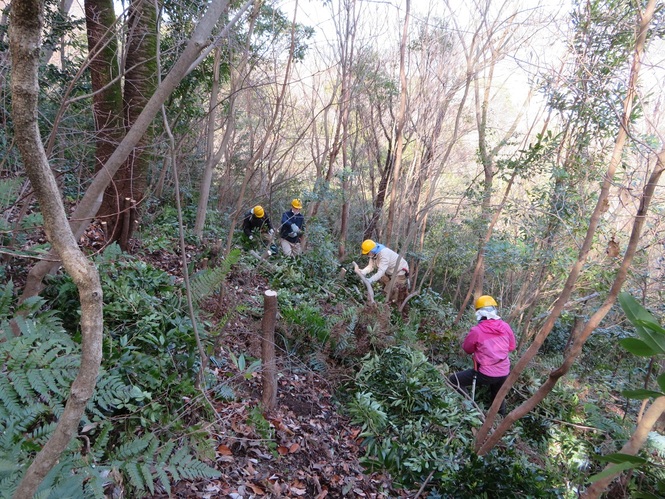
[(192, 194)]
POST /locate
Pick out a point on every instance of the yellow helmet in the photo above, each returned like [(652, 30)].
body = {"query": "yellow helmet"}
[(367, 246), (485, 301), (297, 204), (258, 211)]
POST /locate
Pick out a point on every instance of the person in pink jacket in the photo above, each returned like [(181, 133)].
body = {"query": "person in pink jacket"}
[(490, 343)]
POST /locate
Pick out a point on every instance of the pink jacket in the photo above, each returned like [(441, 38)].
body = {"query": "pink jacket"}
[(490, 341)]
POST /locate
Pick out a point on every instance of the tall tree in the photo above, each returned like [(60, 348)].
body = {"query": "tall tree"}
[(25, 31), (347, 53), (399, 131), (118, 208)]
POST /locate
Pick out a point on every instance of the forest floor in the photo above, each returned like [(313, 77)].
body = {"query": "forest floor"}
[(304, 448)]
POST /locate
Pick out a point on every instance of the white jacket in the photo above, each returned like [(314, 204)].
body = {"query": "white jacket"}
[(384, 261)]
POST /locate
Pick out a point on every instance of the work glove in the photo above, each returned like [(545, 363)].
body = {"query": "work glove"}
[(251, 237), (294, 229), (293, 234), (271, 232)]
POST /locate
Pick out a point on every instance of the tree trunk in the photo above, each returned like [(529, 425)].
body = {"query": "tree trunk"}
[(269, 397), (27, 19), (210, 164), (105, 78), (140, 82), (399, 132)]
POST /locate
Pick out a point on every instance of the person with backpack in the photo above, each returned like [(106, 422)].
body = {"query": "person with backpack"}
[(490, 343), (384, 260), (291, 229)]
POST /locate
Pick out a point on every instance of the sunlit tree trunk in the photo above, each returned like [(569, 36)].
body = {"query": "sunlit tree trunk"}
[(209, 167), (399, 133)]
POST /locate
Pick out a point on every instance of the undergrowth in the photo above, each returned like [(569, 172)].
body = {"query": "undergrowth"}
[(141, 430)]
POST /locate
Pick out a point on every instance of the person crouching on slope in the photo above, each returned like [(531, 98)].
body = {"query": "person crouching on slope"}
[(490, 343), (291, 229), (383, 259), (257, 220)]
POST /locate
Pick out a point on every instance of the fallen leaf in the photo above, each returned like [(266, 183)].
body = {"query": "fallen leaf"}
[(256, 489), (294, 448), (224, 450), (282, 450)]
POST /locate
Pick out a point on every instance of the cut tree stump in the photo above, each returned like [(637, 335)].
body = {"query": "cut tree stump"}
[(269, 370)]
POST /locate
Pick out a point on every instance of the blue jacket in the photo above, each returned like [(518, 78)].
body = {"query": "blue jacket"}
[(289, 218)]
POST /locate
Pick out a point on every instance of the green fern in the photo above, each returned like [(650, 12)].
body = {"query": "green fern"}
[(308, 320), (9, 397), (145, 463), (206, 282), (6, 300)]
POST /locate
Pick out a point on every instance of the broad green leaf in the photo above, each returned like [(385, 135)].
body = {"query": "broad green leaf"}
[(618, 457), (654, 327), (637, 347), (617, 468), (661, 381), (641, 394), (638, 315)]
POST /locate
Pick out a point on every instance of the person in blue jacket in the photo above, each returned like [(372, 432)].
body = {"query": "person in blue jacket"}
[(291, 229)]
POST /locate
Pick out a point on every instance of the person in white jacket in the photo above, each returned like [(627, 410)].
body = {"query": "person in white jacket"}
[(384, 260)]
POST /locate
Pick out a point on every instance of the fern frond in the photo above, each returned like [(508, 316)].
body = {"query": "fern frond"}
[(99, 449), (165, 452), (37, 384), (41, 434), (110, 388), (21, 385), (135, 475), (206, 282), (147, 477), (9, 397), (133, 448), (190, 468), (6, 300), (164, 479)]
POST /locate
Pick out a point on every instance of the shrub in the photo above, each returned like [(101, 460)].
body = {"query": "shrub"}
[(413, 423)]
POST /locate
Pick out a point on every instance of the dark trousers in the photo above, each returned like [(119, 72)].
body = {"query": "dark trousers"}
[(463, 379)]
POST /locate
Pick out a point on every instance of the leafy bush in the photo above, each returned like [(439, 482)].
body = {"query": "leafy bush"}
[(149, 342), (502, 473), (413, 422)]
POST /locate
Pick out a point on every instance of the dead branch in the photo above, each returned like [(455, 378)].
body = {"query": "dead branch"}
[(368, 285)]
